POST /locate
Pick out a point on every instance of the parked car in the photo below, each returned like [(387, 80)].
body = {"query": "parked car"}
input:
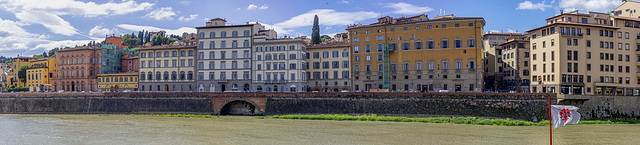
[(443, 91)]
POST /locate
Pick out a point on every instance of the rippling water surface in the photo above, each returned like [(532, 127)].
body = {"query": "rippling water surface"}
[(124, 129)]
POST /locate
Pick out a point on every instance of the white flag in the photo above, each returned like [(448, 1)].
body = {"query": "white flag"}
[(564, 114)]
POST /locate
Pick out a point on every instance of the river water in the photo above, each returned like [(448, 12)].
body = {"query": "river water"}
[(125, 129)]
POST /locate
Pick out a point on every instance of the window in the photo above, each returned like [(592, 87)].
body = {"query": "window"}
[(471, 42), (458, 43), (405, 46), (417, 45), (367, 48), (444, 25), (418, 66), (445, 44), (430, 44), (457, 25), (444, 65), (356, 49)]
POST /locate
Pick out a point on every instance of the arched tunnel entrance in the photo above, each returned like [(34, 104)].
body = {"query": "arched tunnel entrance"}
[(238, 107)]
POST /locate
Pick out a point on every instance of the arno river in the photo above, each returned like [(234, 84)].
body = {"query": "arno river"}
[(125, 129)]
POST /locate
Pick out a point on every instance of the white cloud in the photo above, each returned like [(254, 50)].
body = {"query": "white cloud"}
[(590, 5), (164, 13), (48, 12), (409, 9), (187, 19), (528, 5), (344, 2), (265, 6), (327, 28), (99, 31), (178, 31), (52, 22), (252, 7), (14, 39), (184, 2), (326, 17)]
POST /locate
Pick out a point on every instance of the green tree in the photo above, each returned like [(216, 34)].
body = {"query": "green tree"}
[(44, 54), (324, 38), (315, 34), (22, 73), (130, 40)]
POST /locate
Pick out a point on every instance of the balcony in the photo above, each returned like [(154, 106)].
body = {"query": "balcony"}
[(572, 34), (275, 81)]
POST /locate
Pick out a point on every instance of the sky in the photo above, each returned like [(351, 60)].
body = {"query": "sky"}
[(29, 27)]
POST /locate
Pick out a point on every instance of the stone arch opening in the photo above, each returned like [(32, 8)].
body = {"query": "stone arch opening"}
[(238, 107)]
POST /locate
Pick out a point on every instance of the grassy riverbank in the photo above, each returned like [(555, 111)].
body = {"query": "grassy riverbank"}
[(175, 115), (454, 120)]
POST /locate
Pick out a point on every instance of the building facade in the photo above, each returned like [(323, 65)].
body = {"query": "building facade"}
[(167, 68), (493, 64), (224, 55), (427, 55), (40, 73), (328, 67), (129, 63), (516, 62), (17, 63), (118, 82), (77, 69), (576, 53), (279, 65)]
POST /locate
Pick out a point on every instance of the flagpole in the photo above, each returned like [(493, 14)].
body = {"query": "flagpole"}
[(550, 128)]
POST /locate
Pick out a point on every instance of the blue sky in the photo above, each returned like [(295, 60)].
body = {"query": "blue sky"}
[(34, 26)]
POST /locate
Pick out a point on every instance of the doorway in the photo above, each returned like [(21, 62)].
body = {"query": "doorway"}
[(458, 88), (223, 88), (166, 87)]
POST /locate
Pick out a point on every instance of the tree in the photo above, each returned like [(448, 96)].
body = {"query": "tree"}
[(130, 40), (324, 38), (22, 73), (160, 40), (45, 54), (315, 34)]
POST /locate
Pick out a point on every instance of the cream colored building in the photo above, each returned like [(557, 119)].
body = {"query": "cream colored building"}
[(328, 68), (279, 65), (492, 49), (167, 68), (594, 53), (224, 55), (515, 63)]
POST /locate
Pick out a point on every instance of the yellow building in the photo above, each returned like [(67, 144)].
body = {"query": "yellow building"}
[(40, 73), (118, 82), (17, 63), (442, 53), (328, 67)]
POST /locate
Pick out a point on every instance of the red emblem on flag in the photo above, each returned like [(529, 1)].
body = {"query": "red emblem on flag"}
[(564, 114)]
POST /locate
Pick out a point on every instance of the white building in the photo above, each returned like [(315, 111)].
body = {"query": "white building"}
[(278, 64), (224, 56)]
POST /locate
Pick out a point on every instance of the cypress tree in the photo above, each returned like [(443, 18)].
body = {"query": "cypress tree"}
[(315, 34)]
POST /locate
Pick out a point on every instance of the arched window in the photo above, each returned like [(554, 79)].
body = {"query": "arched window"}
[(158, 76), (150, 76), (246, 32), (234, 34), (223, 34), (166, 75), (212, 35), (190, 76), (174, 75), (182, 77)]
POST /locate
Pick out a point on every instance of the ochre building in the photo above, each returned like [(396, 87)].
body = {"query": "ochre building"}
[(429, 55)]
